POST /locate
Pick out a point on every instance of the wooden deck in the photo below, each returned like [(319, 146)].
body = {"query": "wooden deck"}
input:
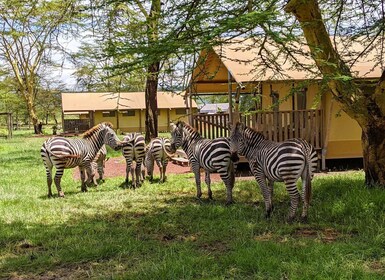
[(275, 126)]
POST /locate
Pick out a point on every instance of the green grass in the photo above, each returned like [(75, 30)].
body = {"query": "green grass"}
[(160, 231)]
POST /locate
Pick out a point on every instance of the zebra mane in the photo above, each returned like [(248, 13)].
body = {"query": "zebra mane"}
[(253, 132), (188, 127), (96, 129)]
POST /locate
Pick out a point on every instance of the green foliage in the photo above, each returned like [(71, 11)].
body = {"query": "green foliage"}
[(160, 231)]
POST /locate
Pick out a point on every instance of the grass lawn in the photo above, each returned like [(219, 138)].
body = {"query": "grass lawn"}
[(161, 231)]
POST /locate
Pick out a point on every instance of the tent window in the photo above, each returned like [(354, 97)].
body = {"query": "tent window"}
[(128, 113), (107, 114), (301, 99), (180, 111)]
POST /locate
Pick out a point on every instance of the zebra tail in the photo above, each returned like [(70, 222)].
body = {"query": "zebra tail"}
[(308, 177), (65, 155), (170, 155)]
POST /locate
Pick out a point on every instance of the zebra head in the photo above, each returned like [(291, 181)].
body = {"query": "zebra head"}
[(237, 141), (111, 139), (176, 135)]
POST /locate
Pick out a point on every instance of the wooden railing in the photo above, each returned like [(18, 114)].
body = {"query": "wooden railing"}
[(212, 125), (276, 126)]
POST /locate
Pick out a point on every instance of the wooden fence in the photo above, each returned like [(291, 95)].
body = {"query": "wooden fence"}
[(276, 126)]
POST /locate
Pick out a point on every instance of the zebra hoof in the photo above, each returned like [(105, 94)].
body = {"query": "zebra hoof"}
[(61, 194)]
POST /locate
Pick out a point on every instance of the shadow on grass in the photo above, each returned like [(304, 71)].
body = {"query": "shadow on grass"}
[(176, 235)]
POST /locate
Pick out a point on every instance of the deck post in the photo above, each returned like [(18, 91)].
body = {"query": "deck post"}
[(230, 97)]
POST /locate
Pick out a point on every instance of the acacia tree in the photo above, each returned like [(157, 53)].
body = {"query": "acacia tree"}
[(365, 106), (29, 34), (165, 33)]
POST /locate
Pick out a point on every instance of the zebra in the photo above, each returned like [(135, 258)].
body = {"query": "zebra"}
[(211, 155), (64, 153), (98, 164), (158, 150), (134, 151), (277, 161)]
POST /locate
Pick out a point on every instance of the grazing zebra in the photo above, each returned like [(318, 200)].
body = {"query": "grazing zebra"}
[(272, 161), (98, 164), (134, 151), (158, 150), (211, 155), (64, 153)]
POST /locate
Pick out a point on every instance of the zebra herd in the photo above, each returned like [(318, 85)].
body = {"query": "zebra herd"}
[(269, 161)]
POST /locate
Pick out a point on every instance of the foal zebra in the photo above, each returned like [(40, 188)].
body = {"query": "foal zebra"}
[(64, 153), (134, 151), (285, 161), (158, 150), (211, 155)]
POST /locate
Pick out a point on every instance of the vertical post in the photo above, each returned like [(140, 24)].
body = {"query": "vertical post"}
[(230, 97), (140, 120), (62, 122)]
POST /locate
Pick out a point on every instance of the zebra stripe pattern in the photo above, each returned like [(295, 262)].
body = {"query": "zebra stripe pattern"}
[(211, 155), (157, 151), (63, 153), (134, 151), (98, 164), (283, 162)]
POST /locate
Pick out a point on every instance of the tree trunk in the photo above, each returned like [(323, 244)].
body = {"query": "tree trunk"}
[(373, 145), (152, 102), (367, 108), (32, 113)]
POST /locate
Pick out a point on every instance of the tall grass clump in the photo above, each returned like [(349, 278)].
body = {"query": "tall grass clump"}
[(160, 231)]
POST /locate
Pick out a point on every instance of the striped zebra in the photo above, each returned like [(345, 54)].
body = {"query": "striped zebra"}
[(211, 155), (134, 151), (64, 153), (158, 150), (277, 161), (98, 164)]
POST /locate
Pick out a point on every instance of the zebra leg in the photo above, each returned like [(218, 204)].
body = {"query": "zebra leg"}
[(138, 170), (306, 193), (143, 172), (164, 164), (266, 195), (133, 181), (271, 189), (83, 179), (48, 171), (291, 186), (160, 166), (58, 175), (90, 176), (128, 170), (196, 168), (150, 169), (208, 183), (228, 179)]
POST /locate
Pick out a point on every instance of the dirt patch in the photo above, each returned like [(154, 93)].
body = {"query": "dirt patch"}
[(117, 167), (327, 235)]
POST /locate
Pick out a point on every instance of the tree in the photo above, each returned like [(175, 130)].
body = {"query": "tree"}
[(30, 32), (365, 106), (161, 35)]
